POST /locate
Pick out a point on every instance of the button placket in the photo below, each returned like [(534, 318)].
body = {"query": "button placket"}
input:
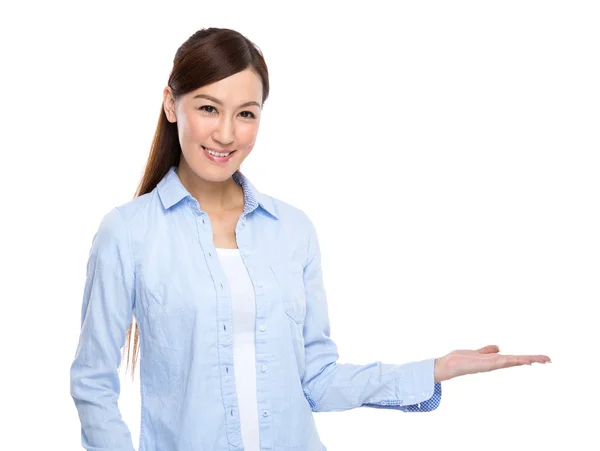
[(225, 350)]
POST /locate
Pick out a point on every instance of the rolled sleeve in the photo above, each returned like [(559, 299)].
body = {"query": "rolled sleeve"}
[(415, 389)]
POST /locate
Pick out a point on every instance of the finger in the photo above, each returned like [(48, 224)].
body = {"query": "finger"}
[(537, 359), (489, 349), (506, 361), (529, 359)]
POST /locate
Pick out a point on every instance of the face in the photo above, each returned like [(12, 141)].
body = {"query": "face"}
[(221, 117)]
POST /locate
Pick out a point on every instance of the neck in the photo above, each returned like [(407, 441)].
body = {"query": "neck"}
[(213, 197)]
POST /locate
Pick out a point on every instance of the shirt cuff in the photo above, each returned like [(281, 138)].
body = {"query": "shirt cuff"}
[(415, 388)]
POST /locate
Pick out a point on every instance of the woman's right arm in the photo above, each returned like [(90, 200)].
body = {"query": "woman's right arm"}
[(107, 308)]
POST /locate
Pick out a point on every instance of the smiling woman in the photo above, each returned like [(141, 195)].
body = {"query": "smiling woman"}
[(212, 119), (216, 90), (206, 109), (226, 285)]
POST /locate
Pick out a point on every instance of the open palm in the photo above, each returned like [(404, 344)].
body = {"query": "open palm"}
[(461, 362)]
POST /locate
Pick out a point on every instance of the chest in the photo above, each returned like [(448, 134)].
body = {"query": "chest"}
[(184, 294), (223, 228)]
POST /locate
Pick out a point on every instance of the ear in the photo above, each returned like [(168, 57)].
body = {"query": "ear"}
[(169, 105)]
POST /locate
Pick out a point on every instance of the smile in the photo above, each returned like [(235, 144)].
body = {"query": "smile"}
[(217, 153), (218, 157)]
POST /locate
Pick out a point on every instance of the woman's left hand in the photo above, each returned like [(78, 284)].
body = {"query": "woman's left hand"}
[(461, 362)]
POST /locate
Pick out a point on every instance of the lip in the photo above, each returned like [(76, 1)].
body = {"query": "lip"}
[(219, 160)]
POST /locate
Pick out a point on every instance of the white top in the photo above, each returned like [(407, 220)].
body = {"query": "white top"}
[(244, 351)]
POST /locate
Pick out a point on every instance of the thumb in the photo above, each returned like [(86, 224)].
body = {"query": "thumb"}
[(489, 349)]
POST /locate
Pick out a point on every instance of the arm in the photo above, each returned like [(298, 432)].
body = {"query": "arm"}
[(331, 386), (106, 312)]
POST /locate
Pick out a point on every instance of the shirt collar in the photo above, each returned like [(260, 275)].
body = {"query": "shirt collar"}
[(171, 191)]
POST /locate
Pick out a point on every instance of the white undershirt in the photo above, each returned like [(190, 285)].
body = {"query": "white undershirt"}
[(244, 351)]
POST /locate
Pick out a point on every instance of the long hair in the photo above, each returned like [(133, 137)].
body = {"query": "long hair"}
[(209, 55)]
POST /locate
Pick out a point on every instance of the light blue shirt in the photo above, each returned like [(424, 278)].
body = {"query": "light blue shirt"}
[(154, 257)]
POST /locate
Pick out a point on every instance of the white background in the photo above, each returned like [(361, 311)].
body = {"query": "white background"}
[(448, 153)]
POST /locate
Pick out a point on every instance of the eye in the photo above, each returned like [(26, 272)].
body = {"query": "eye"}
[(209, 109), (212, 110)]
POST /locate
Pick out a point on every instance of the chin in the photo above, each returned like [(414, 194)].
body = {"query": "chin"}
[(210, 173), (216, 176)]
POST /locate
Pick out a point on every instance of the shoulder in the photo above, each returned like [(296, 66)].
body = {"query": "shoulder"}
[(294, 220), (130, 211), (289, 213), (118, 222)]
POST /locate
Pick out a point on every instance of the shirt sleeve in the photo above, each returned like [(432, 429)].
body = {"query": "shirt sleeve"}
[(107, 308), (331, 386)]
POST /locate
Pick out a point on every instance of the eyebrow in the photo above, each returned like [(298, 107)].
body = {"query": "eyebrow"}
[(213, 99)]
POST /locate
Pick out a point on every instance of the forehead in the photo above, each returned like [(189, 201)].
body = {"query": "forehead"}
[(241, 87)]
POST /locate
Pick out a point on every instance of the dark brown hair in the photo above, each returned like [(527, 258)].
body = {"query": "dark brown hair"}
[(209, 55)]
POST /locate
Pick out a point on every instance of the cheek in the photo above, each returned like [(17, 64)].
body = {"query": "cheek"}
[(194, 129), (247, 135)]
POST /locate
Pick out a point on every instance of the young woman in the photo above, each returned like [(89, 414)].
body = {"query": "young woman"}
[(226, 288)]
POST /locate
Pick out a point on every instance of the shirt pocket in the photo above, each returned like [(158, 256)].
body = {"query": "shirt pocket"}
[(168, 322), (169, 312), (289, 277)]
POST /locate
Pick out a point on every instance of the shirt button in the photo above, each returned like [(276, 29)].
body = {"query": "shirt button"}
[(263, 327), (263, 368), (247, 253), (259, 284), (265, 413)]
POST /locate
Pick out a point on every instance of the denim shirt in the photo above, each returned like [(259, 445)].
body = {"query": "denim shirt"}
[(154, 257)]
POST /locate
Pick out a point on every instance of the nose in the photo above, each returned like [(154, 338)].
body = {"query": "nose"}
[(224, 133)]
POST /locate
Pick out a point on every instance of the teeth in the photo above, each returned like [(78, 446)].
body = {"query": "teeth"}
[(216, 154)]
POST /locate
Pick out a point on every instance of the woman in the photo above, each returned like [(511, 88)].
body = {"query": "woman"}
[(225, 283)]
